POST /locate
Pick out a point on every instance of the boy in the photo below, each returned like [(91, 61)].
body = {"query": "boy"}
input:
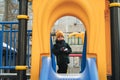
[(61, 50)]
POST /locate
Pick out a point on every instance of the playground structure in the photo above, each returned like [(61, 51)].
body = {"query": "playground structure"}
[(97, 30), (98, 42), (9, 51)]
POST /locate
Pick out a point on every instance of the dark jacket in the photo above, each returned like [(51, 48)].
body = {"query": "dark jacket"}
[(61, 50)]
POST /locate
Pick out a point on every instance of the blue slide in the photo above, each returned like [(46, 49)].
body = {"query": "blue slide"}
[(88, 68), (89, 73)]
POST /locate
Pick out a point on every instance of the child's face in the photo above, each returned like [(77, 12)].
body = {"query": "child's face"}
[(60, 38)]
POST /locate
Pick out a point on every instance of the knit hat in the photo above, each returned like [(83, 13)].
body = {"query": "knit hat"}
[(59, 33)]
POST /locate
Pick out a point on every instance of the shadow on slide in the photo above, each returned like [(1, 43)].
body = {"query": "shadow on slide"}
[(89, 73)]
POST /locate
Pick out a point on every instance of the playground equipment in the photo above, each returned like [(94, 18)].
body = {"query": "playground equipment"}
[(87, 73), (97, 28), (95, 16), (47, 73), (77, 35), (9, 52)]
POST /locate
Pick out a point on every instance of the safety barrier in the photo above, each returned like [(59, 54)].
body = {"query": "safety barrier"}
[(9, 46)]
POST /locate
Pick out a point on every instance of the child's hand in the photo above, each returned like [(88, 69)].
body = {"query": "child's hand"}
[(62, 49), (66, 49)]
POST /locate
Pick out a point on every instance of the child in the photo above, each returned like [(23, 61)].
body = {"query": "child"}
[(61, 50)]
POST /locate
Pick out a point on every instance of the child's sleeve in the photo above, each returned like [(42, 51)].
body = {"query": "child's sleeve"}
[(69, 49), (55, 50)]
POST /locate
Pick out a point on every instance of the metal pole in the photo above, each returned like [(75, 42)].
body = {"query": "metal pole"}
[(115, 38), (22, 38)]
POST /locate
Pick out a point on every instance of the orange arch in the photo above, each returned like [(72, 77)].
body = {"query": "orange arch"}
[(45, 13)]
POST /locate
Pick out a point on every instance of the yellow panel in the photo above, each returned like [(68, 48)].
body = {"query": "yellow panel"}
[(90, 12)]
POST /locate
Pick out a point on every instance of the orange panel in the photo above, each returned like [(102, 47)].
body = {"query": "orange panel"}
[(90, 12)]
